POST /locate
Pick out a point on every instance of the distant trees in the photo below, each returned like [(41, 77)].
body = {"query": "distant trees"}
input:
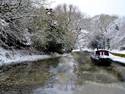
[(98, 27), (116, 34), (93, 31)]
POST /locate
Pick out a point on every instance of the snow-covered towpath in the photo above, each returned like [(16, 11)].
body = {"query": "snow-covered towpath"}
[(117, 59)]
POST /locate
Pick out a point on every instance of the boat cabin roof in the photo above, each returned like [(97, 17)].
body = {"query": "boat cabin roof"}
[(102, 52)]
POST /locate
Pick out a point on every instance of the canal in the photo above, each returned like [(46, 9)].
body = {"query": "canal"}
[(70, 74)]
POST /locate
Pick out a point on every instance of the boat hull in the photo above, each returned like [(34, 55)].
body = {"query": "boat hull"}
[(101, 61)]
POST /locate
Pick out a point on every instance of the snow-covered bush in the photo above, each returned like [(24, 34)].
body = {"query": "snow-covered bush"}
[(13, 31), (53, 32)]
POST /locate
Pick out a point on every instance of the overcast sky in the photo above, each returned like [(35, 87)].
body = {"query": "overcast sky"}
[(94, 7)]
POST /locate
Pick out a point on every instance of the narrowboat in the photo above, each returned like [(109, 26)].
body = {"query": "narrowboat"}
[(101, 57)]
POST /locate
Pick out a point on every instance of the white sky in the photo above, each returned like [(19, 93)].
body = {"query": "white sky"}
[(94, 7)]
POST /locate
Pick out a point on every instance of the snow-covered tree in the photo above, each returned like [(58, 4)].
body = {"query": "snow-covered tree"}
[(17, 14), (58, 26), (70, 18), (93, 31), (116, 33), (98, 29)]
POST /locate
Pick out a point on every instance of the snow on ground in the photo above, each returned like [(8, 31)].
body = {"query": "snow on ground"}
[(18, 56), (117, 58), (118, 51), (83, 49)]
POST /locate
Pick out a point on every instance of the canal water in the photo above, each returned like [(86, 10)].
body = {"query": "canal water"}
[(63, 80), (70, 74)]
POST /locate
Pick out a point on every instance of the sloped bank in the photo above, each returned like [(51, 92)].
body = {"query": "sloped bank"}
[(22, 77), (19, 56)]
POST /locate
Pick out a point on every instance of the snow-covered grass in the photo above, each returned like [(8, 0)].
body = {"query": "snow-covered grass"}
[(118, 51), (117, 58), (8, 56), (118, 54), (19, 56)]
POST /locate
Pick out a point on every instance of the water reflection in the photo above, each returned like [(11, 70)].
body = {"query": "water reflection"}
[(77, 75), (64, 79)]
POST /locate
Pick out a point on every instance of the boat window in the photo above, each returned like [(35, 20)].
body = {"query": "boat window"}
[(97, 53), (102, 52)]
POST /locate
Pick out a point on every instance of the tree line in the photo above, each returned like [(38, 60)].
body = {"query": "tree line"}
[(29, 24)]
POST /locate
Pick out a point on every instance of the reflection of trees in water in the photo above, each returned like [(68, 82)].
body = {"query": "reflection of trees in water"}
[(17, 90), (64, 79)]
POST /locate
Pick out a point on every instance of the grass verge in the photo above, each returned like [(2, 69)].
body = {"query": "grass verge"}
[(118, 54)]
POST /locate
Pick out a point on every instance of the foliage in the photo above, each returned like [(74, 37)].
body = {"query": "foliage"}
[(27, 23), (56, 29), (118, 54), (116, 32), (98, 29), (13, 22)]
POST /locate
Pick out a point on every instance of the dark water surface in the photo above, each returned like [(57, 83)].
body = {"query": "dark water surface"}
[(70, 74)]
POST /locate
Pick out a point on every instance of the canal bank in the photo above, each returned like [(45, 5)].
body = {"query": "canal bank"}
[(71, 74)]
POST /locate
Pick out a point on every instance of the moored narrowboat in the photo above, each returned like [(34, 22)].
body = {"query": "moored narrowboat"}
[(101, 57)]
